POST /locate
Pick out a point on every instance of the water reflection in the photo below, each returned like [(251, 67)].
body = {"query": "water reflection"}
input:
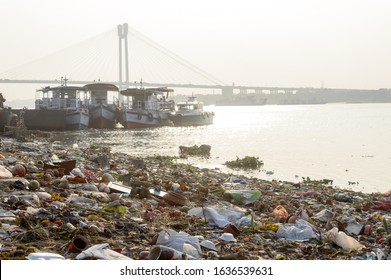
[(320, 141)]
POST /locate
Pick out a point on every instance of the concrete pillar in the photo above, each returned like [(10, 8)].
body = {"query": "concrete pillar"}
[(227, 91)]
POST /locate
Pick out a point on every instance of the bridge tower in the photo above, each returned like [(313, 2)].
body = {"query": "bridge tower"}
[(123, 35)]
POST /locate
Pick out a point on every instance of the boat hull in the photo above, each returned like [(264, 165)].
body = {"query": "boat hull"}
[(77, 120), (52, 120), (5, 118), (102, 116), (140, 118)]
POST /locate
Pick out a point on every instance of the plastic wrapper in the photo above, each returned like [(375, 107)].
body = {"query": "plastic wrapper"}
[(221, 217), (101, 252)]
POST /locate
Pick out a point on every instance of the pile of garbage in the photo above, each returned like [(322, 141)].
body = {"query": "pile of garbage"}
[(60, 202)]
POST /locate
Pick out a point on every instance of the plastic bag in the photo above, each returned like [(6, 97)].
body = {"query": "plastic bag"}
[(221, 217), (101, 252), (181, 241), (301, 230)]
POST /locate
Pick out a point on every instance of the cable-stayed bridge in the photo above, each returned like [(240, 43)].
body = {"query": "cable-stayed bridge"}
[(99, 58), (124, 57)]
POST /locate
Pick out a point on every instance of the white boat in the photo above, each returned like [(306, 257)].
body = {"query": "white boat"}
[(59, 108), (103, 105), (146, 107), (191, 113)]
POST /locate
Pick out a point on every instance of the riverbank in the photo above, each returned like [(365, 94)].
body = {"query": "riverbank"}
[(117, 203)]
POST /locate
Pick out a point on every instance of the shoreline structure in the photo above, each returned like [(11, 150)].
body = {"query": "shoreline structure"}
[(117, 204)]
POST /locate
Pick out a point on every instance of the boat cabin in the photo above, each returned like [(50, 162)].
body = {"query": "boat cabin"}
[(62, 97), (148, 99), (191, 104), (102, 93)]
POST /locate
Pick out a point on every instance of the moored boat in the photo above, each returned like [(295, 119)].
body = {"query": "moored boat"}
[(191, 113), (103, 106), (146, 107), (58, 108)]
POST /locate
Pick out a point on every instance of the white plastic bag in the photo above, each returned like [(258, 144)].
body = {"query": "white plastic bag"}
[(301, 230), (101, 252), (181, 241), (221, 217)]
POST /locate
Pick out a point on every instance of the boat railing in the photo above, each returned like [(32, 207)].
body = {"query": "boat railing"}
[(46, 102), (63, 103), (86, 102), (152, 105), (60, 103), (71, 103), (56, 103)]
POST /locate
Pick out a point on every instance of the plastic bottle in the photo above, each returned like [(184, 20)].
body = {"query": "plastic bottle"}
[(342, 240)]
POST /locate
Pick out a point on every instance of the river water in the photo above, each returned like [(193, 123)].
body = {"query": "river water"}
[(347, 143)]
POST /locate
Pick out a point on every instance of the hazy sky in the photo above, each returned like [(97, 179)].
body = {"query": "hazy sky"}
[(346, 44)]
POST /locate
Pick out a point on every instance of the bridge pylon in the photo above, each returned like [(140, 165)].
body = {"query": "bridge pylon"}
[(123, 36)]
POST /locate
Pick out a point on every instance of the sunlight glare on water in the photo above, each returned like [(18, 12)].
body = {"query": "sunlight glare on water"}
[(342, 142)]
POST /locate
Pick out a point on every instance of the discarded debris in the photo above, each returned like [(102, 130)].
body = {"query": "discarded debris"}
[(77, 203)]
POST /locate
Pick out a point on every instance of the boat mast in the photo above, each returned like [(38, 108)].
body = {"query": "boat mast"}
[(64, 81)]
